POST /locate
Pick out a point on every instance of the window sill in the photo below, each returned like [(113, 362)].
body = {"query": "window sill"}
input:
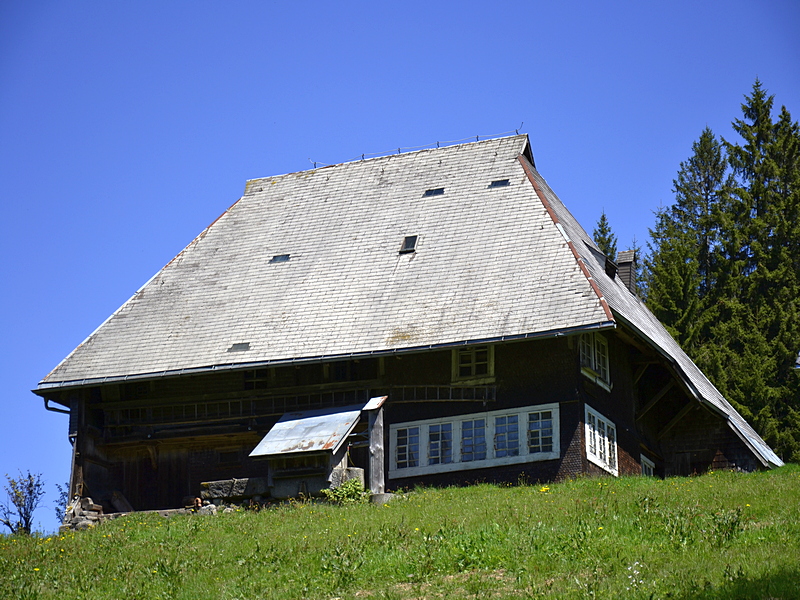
[(595, 378), (488, 380), (596, 461), (474, 464)]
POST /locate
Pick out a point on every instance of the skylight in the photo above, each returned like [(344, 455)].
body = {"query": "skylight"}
[(434, 192), (409, 244), (240, 347), (279, 258), (499, 183)]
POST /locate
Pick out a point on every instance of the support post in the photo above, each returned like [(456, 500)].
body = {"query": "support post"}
[(376, 475)]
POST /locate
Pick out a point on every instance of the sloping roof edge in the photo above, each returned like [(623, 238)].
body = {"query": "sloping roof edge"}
[(526, 166), (629, 310), (763, 453), (127, 302)]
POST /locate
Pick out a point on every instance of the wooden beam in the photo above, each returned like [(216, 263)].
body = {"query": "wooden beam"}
[(655, 399), (674, 421), (639, 372)]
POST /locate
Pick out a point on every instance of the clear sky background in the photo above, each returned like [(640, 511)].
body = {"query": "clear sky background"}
[(127, 127)]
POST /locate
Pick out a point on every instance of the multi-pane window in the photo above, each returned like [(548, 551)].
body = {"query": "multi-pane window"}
[(475, 440), (407, 448), (648, 467), (473, 362), (601, 441), (440, 443), (506, 436), (540, 431), (594, 357)]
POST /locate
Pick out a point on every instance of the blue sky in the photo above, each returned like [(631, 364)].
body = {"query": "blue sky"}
[(127, 127)]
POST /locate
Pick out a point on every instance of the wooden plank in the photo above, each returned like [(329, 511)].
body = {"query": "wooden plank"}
[(376, 474), (674, 421), (639, 372), (655, 399)]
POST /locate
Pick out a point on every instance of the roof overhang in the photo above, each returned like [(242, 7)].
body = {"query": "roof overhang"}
[(764, 455), (43, 388)]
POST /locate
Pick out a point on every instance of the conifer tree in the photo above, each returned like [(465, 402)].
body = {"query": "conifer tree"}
[(673, 277), (683, 269), (724, 267), (604, 237), (764, 250)]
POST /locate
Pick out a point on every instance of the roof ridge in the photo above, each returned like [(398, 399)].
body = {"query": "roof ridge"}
[(386, 155)]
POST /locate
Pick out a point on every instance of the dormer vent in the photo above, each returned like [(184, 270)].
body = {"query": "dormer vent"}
[(499, 183), (241, 347), (434, 192), (409, 244), (611, 268)]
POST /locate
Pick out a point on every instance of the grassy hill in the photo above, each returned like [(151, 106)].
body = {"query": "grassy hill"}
[(720, 535)]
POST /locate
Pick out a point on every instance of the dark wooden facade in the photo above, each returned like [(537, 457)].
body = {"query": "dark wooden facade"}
[(155, 440)]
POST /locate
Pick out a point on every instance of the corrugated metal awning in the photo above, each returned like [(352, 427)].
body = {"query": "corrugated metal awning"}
[(309, 431)]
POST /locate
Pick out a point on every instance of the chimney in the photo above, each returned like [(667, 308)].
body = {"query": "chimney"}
[(626, 265)]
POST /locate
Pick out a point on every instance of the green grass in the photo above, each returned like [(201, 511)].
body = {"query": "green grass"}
[(721, 535)]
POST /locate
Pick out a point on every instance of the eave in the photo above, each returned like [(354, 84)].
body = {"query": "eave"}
[(43, 388)]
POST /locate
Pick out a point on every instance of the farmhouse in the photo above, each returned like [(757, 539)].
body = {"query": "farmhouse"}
[(434, 317)]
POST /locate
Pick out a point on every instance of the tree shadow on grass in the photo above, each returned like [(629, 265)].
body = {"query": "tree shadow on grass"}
[(779, 585)]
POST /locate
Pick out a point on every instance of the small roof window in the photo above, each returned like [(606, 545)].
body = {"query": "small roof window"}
[(434, 192), (409, 244), (241, 347), (500, 183), (279, 258)]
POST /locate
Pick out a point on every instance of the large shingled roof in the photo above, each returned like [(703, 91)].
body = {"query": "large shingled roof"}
[(490, 263)]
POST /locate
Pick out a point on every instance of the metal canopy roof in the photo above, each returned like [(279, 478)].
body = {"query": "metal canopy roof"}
[(309, 431)]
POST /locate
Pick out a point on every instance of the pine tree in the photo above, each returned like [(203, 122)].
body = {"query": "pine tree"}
[(604, 237), (684, 263), (672, 277), (724, 267), (764, 214), (701, 194)]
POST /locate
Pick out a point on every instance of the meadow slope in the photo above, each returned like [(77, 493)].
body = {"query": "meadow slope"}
[(716, 536)]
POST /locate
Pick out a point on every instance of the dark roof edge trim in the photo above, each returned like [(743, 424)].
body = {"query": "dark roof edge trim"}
[(196, 240), (692, 389), (553, 333), (744, 437), (526, 166)]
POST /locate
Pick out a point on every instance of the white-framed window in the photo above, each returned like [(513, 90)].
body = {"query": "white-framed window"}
[(474, 441), (473, 363), (440, 444), (506, 435), (601, 441), (594, 359), (540, 431), (406, 447), (648, 466)]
